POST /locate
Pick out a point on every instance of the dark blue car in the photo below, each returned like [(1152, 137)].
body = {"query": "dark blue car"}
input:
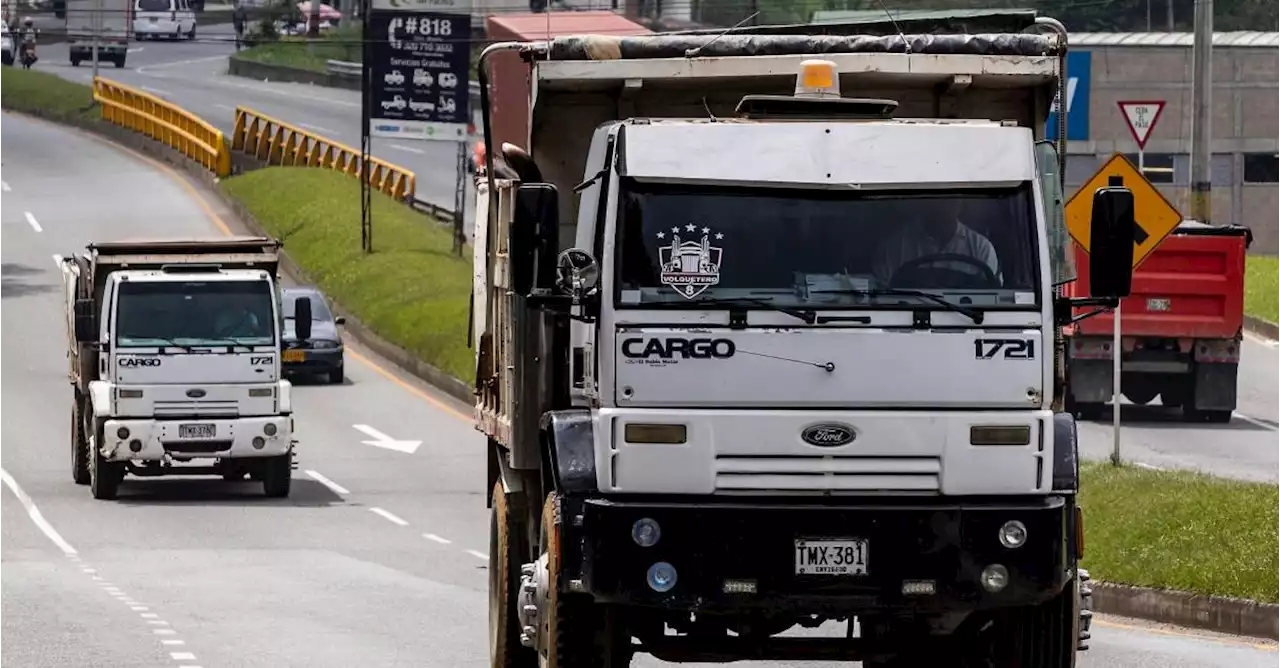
[(322, 352)]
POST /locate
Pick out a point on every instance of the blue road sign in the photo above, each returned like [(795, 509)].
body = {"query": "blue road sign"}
[(1079, 66)]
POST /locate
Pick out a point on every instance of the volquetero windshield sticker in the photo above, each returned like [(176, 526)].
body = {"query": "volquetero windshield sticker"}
[(689, 267)]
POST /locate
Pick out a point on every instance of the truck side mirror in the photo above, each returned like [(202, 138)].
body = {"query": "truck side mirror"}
[(302, 318), (86, 323), (577, 274), (533, 236), (1111, 230)]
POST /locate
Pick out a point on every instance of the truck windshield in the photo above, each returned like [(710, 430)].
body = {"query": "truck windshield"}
[(193, 313), (826, 249)]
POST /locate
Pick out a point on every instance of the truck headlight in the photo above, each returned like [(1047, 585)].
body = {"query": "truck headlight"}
[(1013, 534), (269, 429)]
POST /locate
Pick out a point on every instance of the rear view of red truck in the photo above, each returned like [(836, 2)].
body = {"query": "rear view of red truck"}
[(1181, 328)]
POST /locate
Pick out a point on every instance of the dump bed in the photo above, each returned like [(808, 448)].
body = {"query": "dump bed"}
[(1190, 286), (240, 252)]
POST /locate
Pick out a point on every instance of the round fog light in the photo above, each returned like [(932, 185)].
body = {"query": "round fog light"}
[(258, 442), (995, 578), (269, 429), (135, 445), (123, 433), (1013, 534), (662, 577), (646, 532)]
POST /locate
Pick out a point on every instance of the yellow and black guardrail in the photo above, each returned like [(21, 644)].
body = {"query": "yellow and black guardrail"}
[(165, 122), (280, 143)]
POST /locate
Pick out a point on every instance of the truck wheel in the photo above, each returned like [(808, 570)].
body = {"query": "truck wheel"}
[(119, 63), (79, 444), (506, 554), (1041, 636), (335, 376), (104, 476), (75, 62), (1191, 414), (277, 475), (574, 631)]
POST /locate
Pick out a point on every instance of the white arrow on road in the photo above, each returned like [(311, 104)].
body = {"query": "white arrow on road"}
[(381, 440)]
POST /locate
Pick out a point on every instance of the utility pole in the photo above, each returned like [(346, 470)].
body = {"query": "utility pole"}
[(1202, 108), (97, 34)]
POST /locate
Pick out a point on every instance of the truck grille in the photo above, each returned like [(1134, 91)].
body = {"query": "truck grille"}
[(836, 473), (211, 408)]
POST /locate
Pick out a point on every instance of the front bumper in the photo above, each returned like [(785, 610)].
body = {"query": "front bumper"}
[(162, 27), (106, 50), (945, 544), (315, 361), (154, 440)]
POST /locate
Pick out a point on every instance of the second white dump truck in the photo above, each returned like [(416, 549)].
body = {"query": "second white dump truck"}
[(174, 357)]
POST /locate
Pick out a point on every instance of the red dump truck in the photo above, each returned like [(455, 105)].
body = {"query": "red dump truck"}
[(1181, 328)]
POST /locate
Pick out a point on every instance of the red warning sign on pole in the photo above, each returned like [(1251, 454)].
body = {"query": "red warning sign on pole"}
[(1142, 116)]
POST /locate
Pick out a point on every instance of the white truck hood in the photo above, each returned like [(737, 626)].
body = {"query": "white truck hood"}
[(142, 366), (782, 367)]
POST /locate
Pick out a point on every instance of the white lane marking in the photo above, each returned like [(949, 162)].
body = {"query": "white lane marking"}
[(157, 622), (34, 513), (164, 632), (224, 106), (178, 63), (4, 185), (134, 49), (173, 642), (182, 656), (57, 262), (388, 516), (408, 149), (1253, 421), (317, 128), (272, 91), (438, 539), (139, 608), (339, 489), (156, 91), (478, 555), (381, 440), (149, 615), (31, 220)]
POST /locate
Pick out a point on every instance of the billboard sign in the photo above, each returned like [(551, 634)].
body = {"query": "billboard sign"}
[(420, 69)]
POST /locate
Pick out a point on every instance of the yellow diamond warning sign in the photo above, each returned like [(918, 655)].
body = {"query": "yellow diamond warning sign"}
[(1154, 215)]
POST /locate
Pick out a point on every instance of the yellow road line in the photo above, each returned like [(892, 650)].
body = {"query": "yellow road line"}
[(1226, 640)]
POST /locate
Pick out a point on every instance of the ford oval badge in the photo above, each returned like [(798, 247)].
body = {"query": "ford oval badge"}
[(828, 435), (195, 394)]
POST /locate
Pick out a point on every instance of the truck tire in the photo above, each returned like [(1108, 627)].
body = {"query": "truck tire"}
[(579, 633), (335, 376), (1191, 414), (506, 554), (277, 476), (104, 476), (119, 62), (79, 444)]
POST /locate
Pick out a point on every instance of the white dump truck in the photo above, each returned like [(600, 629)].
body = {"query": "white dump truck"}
[(174, 350), (767, 339), (110, 20)]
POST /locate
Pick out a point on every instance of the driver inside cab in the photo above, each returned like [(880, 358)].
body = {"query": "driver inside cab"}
[(938, 232)]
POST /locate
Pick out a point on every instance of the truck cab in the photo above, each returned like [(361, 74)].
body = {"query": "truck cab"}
[(175, 357), (783, 366)]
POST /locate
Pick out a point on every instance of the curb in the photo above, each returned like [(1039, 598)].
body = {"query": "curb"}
[(1212, 613), (1262, 328), (252, 69)]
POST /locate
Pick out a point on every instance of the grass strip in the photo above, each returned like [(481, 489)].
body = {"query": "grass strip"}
[(47, 95), (412, 290), (1181, 530), (301, 53), (1262, 287)]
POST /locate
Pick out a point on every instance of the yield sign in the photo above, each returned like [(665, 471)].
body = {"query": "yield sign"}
[(1141, 117)]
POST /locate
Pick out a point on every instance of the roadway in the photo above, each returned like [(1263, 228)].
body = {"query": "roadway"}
[(377, 558), (193, 74)]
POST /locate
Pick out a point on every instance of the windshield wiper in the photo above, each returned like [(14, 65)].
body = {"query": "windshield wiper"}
[(972, 313), (809, 317), (165, 343)]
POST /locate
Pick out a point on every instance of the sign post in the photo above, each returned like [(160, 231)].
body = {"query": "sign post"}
[(1155, 218), (1141, 116), (419, 69)]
